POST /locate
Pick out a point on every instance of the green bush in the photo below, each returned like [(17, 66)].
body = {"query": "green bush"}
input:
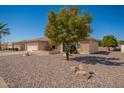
[(16, 49), (73, 50)]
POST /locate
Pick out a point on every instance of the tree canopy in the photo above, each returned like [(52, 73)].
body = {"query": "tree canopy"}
[(67, 26), (109, 41)]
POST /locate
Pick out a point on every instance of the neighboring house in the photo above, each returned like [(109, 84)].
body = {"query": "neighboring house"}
[(122, 48), (85, 46)]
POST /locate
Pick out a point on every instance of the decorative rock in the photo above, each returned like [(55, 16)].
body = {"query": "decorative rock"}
[(74, 69), (81, 67), (84, 74), (81, 74), (26, 53)]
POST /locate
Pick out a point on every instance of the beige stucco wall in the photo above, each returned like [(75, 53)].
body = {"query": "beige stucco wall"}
[(20, 46), (84, 48), (93, 47), (32, 46), (88, 47), (42, 45), (10, 45), (122, 48), (17, 46)]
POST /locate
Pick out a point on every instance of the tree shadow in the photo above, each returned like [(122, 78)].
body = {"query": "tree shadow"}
[(98, 60), (102, 53)]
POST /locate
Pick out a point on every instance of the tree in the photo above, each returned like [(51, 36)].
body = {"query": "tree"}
[(121, 42), (3, 31), (67, 27), (109, 41), (100, 43)]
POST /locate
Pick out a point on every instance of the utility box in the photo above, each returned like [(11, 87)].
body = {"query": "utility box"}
[(122, 48)]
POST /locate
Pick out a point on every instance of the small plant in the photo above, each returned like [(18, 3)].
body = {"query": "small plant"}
[(73, 50)]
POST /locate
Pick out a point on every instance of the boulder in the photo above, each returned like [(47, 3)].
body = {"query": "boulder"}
[(74, 69), (82, 67), (81, 73), (25, 53), (84, 74)]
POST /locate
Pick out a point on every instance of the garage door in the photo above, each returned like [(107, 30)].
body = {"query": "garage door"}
[(32, 47)]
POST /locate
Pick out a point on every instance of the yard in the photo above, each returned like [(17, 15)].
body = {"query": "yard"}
[(50, 71)]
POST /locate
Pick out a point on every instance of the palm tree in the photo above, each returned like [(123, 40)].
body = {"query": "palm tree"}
[(3, 31)]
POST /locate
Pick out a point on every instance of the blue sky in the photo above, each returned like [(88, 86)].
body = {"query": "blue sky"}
[(28, 22)]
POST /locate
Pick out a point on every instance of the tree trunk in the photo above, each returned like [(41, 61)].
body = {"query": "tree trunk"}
[(0, 42), (0, 45), (66, 50), (67, 55), (108, 48)]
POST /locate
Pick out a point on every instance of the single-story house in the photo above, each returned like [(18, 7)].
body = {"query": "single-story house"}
[(85, 46), (122, 48)]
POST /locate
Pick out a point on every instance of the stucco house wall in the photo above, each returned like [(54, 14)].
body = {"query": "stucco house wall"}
[(88, 47), (84, 47), (42, 45), (31, 46), (122, 48), (93, 47)]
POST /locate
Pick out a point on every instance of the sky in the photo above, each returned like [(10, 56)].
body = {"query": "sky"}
[(28, 22)]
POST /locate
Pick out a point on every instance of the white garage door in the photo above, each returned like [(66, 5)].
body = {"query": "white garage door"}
[(32, 47)]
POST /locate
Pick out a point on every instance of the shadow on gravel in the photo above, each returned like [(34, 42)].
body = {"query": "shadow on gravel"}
[(103, 53), (98, 60)]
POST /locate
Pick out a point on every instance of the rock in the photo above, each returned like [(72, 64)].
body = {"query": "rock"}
[(74, 69), (81, 73), (81, 68), (25, 54), (85, 74), (89, 75)]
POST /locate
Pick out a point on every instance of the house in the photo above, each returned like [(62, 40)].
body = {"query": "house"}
[(84, 46), (88, 46), (122, 48)]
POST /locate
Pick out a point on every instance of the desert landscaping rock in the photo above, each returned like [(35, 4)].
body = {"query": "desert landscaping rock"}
[(81, 73), (26, 54), (74, 69), (48, 71), (82, 67)]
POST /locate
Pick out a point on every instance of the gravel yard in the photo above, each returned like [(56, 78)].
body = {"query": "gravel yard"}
[(49, 71)]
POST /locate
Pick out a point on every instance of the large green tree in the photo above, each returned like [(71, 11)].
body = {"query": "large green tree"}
[(109, 41), (67, 27), (3, 31)]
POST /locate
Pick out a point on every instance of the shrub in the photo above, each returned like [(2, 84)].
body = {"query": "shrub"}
[(73, 50)]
